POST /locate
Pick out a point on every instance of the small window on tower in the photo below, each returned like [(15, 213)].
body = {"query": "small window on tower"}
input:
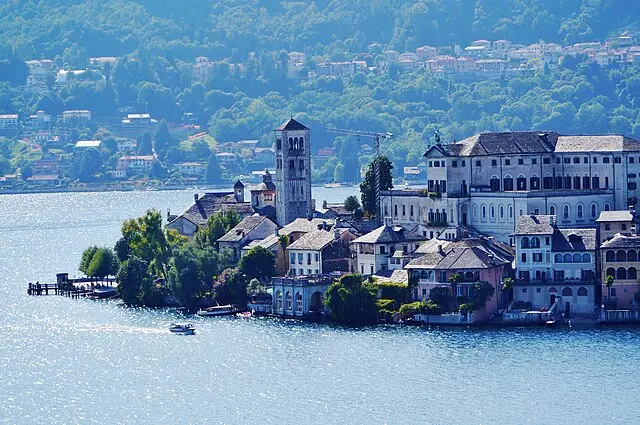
[(292, 163), (302, 164), (301, 143), (279, 144)]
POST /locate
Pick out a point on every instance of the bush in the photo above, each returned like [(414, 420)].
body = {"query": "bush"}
[(431, 307), (394, 291), (384, 304), (412, 308)]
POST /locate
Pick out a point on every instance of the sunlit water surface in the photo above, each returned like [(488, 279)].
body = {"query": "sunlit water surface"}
[(79, 361)]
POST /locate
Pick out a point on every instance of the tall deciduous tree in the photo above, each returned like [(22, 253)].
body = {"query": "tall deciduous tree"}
[(259, 263)]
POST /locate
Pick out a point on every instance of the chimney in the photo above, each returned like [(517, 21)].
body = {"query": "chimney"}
[(195, 197), (440, 250), (277, 232), (324, 225), (388, 221), (336, 233), (324, 204)]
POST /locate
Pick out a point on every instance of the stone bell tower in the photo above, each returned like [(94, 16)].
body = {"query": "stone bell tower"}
[(293, 172)]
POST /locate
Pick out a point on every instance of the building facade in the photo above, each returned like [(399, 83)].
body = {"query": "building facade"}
[(555, 265), (293, 172), (489, 180)]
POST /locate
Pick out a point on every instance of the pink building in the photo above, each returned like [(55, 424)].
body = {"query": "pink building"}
[(474, 260)]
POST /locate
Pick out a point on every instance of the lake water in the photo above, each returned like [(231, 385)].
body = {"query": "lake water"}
[(80, 361)]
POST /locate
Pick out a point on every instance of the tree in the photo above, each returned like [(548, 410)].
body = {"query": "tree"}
[(259, 263), (608, 282), (351, 203), (213, 174), (217, 225), (26, 172), (368, 186), (144, 145), (90, 165), (87, 256), (158, 171), (453, 281), (338, 173), (191, 274), (103, 263), (351, 301), (131, 278), (162, 140), (231, 288)]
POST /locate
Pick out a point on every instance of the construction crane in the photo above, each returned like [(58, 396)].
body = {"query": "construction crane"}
[(377, 137)]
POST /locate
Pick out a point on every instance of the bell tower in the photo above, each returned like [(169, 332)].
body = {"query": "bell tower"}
[(293, 172)]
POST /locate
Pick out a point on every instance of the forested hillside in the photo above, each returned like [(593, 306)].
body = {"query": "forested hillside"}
[(188, 28), (248, 89)]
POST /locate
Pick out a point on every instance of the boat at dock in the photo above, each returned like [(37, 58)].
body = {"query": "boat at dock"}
[(182, 329), (218, 310)]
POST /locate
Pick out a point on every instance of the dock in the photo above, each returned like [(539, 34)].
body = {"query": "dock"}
[(74, 288)]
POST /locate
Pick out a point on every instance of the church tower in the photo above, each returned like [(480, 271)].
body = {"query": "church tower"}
[(293, 172)]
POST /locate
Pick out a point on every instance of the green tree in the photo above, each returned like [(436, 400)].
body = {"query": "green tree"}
[(608, 282), (132, 276), (90, 165), (162, 139), (103, 263), (259, 263), (351, 203), (351, 301), (338, 173), (26, 172), (231, 288), (158, 171), (217, 225), (368, 186), (87, 256), (144, 144), (213, 173), (191, 274)]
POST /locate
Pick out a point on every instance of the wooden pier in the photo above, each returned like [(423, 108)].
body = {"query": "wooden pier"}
[(74, 288)]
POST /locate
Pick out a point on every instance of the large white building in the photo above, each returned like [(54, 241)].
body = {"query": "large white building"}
[(488, 180)]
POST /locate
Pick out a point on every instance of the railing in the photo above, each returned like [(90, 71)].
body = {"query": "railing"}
[(619, 315), (572, 281)]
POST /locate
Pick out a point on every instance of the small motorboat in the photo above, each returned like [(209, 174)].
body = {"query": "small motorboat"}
[(182, 329), (218, 310), (245, 315)]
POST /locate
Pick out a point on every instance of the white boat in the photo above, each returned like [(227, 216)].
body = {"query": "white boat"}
[(182, 329), (218, 310)]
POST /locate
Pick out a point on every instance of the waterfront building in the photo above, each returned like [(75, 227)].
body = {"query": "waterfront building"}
[(321, 252), (254, 227), (293, 172), (8, 122), (474, 260), (300, 296), (374, 251), (555, 265), (488, 180)]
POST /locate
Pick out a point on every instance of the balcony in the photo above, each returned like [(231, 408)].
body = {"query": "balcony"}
[(554, 282)]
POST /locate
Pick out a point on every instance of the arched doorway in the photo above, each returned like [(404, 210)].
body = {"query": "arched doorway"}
[(316, 305)]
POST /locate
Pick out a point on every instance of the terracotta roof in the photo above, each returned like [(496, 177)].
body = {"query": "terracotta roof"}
[(464, 254)]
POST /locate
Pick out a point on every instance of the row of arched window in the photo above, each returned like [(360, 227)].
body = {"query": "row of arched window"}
[(549, 182), (621, 255), (534, 242), (492, 212), (288, 301), (568, 292), (623, 273), (296, 143), (575, 258)]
